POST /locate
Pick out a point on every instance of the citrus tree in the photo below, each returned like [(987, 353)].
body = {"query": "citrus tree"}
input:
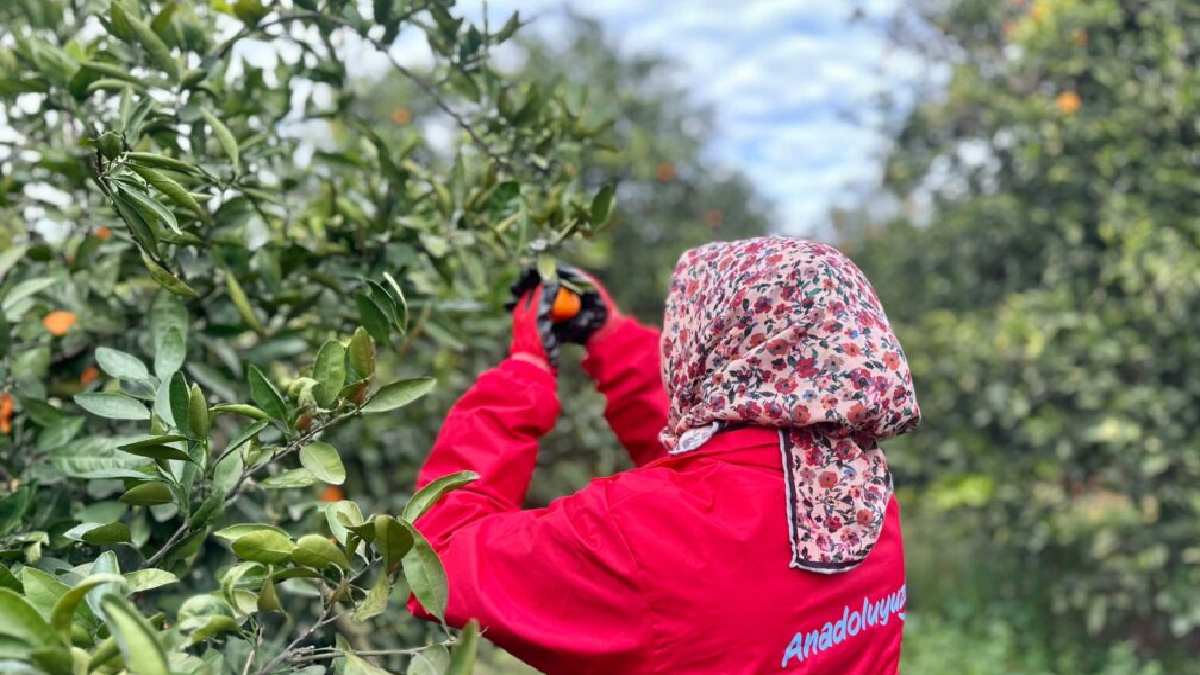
[(1047, 300), (210, 267)]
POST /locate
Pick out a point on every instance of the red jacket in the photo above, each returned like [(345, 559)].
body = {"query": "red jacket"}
[(678, 566)]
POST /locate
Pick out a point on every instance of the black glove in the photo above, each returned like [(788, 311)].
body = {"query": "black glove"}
[(578, 326)]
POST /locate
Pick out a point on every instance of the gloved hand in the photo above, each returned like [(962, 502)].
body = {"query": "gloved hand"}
[(580, 306), (533, 340)]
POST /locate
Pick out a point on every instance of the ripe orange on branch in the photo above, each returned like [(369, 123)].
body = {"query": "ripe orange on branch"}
[(566, 305), (58, 322)]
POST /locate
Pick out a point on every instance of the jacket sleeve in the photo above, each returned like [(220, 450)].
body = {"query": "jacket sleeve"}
[(555, 586), (625, 367)]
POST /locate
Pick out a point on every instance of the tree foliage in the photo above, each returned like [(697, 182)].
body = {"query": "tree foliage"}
[(1046, 299), (211, 267)]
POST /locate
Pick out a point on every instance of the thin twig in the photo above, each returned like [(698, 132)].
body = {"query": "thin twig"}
[(171, 543)]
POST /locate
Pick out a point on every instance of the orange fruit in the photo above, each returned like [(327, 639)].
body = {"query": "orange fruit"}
[(401, 115), (6, 412), (103, 233), (1068, 102), (88, 375), (332, 493), (566, 306), (58, 322), (665, 172)]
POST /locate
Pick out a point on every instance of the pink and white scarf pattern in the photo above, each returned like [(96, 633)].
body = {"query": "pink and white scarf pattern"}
[(786, 333)]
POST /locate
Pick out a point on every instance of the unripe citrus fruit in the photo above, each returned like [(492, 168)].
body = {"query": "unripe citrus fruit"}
[(566, 306)]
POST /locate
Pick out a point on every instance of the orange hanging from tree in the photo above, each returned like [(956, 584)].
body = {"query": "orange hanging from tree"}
[(332, 493), (1068, 102), (58, 322), (6, 413), (89, 375)]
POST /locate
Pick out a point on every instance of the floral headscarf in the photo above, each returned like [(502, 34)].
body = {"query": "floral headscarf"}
[(786, 333)]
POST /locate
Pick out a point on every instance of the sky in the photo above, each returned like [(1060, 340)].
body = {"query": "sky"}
[(794, 84)]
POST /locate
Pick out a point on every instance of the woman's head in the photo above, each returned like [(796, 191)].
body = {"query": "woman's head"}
[(786, 333), (781, 332)]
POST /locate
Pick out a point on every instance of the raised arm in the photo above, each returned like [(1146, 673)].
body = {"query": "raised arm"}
[(623, 360), (550, 585)]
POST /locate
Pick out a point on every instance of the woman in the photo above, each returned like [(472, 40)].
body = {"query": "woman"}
[(758, 533)]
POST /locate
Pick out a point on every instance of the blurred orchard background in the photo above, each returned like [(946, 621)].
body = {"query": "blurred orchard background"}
[(1019, 180)]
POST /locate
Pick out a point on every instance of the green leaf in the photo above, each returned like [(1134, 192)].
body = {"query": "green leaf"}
[(170, 353), (179, 398), (425, 574), (136, 638), (243, 409), (149, 578), (215, 626), (197, 412), (169, 327), (148, 494), (151, 441), (103, 466), (362, 353), (265, 546), (323, 461), (158, 452), (429, 661), (13, 508), (330, 373), (508, 29), (462, 659), (131, 28), (397, 295), (313, 550), (157, 161), (99, 534), (347, 510), (393, 541), (266, 395), (105, 563), (225, 137), (602, 204), (9, 580), (113, 406), (373, 318), (147, 206), (20, 620), (165, 279), (172, 189), (227, 472), (292, 478), (399, 394), (268, 597), (356, 665), (376, 601), (432, 492), (242, 303), (64, 609), (53, 661), (121, 364), (235, 532)]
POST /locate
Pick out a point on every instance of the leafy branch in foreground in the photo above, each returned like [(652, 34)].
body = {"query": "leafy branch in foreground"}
[(200, 255)]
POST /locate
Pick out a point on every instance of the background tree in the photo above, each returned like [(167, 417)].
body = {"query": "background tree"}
[(1046, 297)]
